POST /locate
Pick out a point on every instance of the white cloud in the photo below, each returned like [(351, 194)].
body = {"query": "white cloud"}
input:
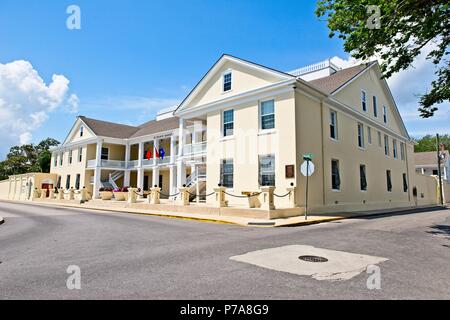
[(26, 101)]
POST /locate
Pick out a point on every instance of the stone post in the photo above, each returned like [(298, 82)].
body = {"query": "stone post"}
[(71, 194), (52, 194), (43, 193), (61, 194), (221, 202), (292, 200), (156, 195), (83, 195), (35, 194), (184, 196), (268, 198), (132, 195)]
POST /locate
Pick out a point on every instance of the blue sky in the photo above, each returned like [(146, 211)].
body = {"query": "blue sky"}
[(139, 56)]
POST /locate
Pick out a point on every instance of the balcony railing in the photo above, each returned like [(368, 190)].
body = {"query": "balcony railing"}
[(196, 148), (116, 164)]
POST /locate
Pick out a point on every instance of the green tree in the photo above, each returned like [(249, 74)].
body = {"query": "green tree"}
[(406, 27), (28, 158), (428, 143)]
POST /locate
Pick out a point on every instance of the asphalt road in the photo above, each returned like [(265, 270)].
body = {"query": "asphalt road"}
[(125, 256)]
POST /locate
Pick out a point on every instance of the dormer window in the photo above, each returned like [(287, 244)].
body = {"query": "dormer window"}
[(227, 81), (81, 131)]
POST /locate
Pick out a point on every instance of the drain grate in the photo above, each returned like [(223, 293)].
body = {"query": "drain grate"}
[(313, 259)]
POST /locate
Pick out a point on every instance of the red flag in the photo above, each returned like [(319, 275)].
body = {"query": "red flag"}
[(156, 153), (149, 155)]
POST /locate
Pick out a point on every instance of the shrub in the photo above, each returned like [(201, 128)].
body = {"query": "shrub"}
[(105, 189)]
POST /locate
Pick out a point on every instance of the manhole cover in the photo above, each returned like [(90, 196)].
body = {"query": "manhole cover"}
[(313, 259)]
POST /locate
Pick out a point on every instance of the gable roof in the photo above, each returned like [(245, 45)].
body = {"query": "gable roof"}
[(152, 127), (337, 80), (223, 59), (109, 129), (428, 158), (121, 131)]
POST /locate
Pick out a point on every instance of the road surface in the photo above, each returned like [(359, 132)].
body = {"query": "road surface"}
[(125, 256)]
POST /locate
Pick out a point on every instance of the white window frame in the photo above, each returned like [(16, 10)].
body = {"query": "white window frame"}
[(387, 152), (365, 177), (394, 148), (361, 134), (385, 116), (402, 151), (223, 123), (364, 100), (369, 135), (339, 175), (101, 154), (274, 167), (61, 159), (81, 131), (223, 174), (55, 160), (80, 154), (225, 73), (261, 115), (336, 131), (70, 157), (375, 106)]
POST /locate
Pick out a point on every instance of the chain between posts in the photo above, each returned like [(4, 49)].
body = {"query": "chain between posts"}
[(282, 196)]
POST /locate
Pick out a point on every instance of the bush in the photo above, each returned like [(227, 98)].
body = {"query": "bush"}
[(107, 189)]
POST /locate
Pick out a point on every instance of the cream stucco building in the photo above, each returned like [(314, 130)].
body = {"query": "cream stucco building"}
[(245, 126)]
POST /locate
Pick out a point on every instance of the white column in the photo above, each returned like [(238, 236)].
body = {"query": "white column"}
[(181, 137), (173, 181), (141, 154), (155, 178), (140, 178), (172, 149), (181, 167), (155, 148), (126, 177), (98, 169)]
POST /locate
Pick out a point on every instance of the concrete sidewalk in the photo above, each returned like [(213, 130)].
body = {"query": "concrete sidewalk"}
[(113, 206)]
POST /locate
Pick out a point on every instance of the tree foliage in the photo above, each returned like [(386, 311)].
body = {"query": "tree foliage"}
[(428, 143), (406, 28), (28, 158)]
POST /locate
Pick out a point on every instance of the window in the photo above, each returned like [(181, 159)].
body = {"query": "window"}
[(268, 115), (333, 125), (335, 177), (379, 139), (388, 180), (61, 157), (70, 156), (80, 154), (227, 82), (81, 131), (228, 123), (226, 173), (55, 160), (369, 135), (362, 178), (68, 181), (405, 183), (105, 154), (386, 145), (375, 106), (58, 183), (402, 150), (77, 182), (384, 114), (394, 148), (267, 170), (360, 135), (363, 100), (435, 172)]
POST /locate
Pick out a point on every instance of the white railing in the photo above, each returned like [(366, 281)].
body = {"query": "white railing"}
[(113, 164), (313, 67), (195, 148), (133, 164), (91, 163)]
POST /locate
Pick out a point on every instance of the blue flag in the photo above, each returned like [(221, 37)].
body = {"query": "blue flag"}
[(162, 153)]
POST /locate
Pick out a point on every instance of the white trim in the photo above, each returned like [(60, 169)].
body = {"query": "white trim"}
[(260, 102), (239, 99), (227, 72), (226, 58), (222, 120)]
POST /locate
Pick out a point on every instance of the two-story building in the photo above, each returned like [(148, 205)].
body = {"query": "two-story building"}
[(244, 126)]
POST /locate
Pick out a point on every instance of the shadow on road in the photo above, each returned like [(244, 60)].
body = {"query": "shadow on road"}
[(440, 230)]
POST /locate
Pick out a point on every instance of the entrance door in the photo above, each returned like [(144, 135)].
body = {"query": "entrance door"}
[(47, 187), (145, 183)]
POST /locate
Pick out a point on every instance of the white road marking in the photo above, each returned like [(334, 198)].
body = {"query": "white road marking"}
[(340, 266)]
